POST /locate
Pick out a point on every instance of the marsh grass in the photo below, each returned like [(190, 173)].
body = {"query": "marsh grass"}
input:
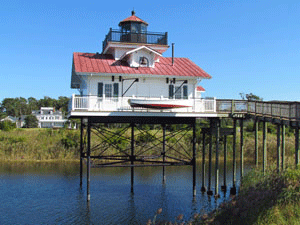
[(270, 199), (39, 144)]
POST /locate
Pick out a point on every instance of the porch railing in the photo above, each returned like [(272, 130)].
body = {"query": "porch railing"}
[(274, 109), (100, 104)]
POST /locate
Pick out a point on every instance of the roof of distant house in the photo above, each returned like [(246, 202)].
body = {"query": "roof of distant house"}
[(87, 63), (200, 88)]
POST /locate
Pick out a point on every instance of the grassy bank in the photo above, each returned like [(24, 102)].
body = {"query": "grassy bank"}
[(270, 199), (62, 144), (39, 144)]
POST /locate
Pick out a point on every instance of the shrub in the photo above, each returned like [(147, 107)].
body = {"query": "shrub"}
[(7, 125)]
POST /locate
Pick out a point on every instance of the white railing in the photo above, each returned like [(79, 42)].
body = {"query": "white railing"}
[(99, 104)]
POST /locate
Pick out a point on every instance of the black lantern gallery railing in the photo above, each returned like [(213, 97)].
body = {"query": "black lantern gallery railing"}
[(146, 37)]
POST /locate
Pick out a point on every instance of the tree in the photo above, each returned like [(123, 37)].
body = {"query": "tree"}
[(250, 97), (7, 125), (31, 121)]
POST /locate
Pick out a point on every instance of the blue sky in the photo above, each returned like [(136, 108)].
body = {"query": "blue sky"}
[(246, 46)]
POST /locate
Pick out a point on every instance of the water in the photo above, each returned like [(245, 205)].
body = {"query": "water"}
[(49, 193)]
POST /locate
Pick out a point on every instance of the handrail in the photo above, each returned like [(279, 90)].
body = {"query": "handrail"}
[(273, 109), (144, 37)]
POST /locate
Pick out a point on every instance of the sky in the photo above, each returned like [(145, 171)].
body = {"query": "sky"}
[(247, 46)]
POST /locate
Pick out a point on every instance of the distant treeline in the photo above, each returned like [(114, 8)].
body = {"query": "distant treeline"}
[(21, 106)]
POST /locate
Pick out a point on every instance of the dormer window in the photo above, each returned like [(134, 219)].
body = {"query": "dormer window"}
[(144, 62)]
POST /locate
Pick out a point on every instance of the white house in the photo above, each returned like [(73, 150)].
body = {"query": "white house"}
[(131, 75), (49, 118), (19, 121)]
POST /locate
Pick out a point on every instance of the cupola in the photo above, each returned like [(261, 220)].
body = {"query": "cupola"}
[(132, 34), (133, 24)]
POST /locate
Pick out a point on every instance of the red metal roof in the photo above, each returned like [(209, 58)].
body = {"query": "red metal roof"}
[(100, 63), (200, 88), (133, 18)]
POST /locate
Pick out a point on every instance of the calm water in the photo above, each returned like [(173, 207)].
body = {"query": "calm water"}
[(49, 193)]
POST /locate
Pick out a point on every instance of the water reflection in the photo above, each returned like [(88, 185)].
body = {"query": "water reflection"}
[(118, 195)]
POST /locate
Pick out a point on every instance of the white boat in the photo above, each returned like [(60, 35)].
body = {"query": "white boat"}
[(160, 103)]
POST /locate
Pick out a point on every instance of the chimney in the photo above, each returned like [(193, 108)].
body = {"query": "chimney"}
[(172, 54)]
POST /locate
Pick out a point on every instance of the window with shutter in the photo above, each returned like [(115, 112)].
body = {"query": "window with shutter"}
[(100, 90), (171, 91)]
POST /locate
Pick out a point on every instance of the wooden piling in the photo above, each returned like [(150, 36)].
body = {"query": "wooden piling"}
[(224, 187), (264, 146), (164, 151), (194, 158), (81, 150), (241, 147), (297, 147), (283, 146), (217, 125), (233, 189), (132, 155), (256, 142), (209, 191), (88, 159), (278, 148), (203, 188)]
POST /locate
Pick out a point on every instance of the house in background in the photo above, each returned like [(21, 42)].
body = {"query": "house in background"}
[(19, 121), (49, 118)]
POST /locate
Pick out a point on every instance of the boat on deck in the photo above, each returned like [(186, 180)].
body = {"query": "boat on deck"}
[(160, 103)]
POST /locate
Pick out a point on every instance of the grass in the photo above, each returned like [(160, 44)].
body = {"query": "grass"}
[(270, 199), (39, 144)]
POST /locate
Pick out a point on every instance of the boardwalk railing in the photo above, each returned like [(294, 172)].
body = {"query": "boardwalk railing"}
[(274, 109)]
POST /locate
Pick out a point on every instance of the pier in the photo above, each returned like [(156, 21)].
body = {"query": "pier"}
[(158, 150)]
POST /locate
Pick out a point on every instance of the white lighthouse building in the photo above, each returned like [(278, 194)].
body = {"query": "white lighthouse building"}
[(132, 78)]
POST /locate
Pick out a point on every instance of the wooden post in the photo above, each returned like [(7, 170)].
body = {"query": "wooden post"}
[(217, 123), (233, 189), (203, 188), (264, 146), (88, 159), (278, 148), (224, 187), (194, 158), (209, 191), (283, 146), (242, 147), (132, 156), (256, 141), (164, 151), (297, 147), (81, 150)]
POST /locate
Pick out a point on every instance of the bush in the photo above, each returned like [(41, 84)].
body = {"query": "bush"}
[(7, 125), (31, 121)]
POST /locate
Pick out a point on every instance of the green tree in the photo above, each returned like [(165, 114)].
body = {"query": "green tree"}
[(250, 97), (31, 121), (7, 125)]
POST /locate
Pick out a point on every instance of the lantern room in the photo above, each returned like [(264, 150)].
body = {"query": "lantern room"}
[(133, 24)]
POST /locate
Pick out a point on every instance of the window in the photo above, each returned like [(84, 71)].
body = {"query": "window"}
[(178, 92), (171, 91), (116, 90), (100, 90), (108, 90), (185, 92)]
